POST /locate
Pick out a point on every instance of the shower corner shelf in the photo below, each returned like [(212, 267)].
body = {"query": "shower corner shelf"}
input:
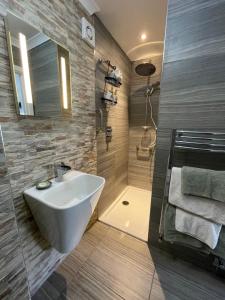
[(113, 81), (109, 102)]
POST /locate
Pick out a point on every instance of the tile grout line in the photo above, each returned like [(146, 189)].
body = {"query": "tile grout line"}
[(151, 284)]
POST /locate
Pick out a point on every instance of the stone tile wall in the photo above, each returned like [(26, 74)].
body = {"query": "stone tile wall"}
[(13, 277), (32, 145)]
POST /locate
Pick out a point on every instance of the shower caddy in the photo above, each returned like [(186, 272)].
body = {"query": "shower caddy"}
[(109, 98), (112, 81)]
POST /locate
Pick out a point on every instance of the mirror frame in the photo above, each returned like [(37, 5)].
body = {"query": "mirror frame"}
[(61, 50)]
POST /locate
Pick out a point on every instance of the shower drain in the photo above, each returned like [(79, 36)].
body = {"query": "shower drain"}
[(125, 202)]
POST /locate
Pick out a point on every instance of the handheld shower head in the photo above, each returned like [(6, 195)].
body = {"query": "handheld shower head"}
[(154, 87)]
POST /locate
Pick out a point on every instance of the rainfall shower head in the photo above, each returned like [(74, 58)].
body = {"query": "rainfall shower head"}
[(145, 69)]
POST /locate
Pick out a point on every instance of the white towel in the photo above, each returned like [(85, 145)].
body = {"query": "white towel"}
[(203, 230), (206, 208)]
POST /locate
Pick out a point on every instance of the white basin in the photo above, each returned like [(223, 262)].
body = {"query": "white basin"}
[(63, 211)]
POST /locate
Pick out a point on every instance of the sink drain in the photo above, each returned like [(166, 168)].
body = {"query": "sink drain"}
[(125, 203)]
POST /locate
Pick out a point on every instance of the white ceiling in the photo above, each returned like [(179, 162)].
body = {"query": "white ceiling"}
[(126, 20)]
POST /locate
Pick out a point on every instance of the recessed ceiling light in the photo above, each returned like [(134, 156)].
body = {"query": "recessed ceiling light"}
[(143, 36)]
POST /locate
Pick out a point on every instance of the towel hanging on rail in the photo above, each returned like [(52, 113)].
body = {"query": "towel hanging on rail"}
[(197, 227), (203, 182), (170, 234), (206, 208), (173, 236)]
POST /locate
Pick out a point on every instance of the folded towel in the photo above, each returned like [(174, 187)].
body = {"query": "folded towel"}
[(204, 183), (197, 227), (195, 181), (206, 208), (171, 235)]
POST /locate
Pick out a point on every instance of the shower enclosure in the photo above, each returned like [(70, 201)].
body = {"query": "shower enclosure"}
[(148, 139), (130, 209)]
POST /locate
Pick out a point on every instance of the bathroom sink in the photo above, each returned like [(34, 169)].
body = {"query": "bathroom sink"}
[(63, 211)]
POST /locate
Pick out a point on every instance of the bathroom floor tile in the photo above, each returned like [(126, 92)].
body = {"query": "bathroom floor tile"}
[(193, 275), (41, 295), (52, 288), (97, 233), (120, 273), (129, 242), (129, 248), (77, 258), (86, 287), (109, 264), (160, 293), (175, 286)]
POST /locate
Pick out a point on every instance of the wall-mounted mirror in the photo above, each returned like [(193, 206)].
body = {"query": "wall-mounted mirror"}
[(40, 71)]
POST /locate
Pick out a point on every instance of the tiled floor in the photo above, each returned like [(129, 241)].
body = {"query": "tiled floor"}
[(132, 218), (109, 264)]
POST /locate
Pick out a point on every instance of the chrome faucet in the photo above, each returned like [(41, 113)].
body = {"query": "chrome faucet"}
[(60, 169)]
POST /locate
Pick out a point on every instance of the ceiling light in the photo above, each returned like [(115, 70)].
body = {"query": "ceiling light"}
[(143, 36)]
